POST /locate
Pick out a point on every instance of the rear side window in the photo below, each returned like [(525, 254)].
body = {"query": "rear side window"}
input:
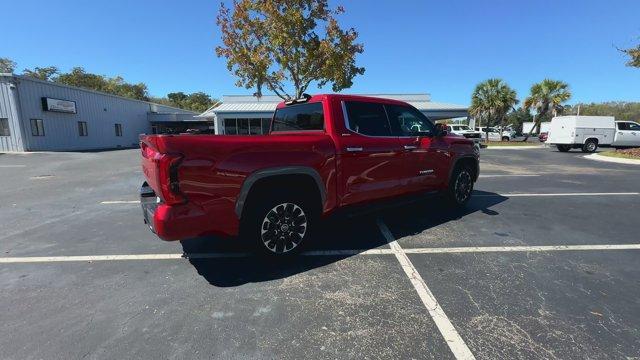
[(367, 118), (302, 117), (410, 121)]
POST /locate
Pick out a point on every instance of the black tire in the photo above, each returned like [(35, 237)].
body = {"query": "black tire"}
[(280, 223), (460, 186), (590, 146), (505, 138), (563, 148)]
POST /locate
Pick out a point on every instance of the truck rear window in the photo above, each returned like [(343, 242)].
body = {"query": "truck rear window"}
[(300, 117)]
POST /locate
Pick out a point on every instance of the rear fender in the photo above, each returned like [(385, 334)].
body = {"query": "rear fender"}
[(276, 171)]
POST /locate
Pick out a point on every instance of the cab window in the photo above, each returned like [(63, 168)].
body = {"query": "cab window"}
[(366, 118), (408, 121), (623, 126), (303, 117)]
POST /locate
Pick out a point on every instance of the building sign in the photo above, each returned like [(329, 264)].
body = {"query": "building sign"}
[(58, 105)]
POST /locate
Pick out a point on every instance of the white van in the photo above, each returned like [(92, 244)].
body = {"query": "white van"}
[(589, 132)]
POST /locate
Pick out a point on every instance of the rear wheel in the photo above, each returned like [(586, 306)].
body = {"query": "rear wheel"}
[(460, 186), (280, 224), (563, 148), (505, 138), (590, 146)]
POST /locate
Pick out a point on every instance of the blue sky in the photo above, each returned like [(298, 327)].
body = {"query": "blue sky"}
[(441, 47)]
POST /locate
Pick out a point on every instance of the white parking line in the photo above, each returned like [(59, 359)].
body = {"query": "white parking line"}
[(346, 252), (12, 166), (558, 194), (82, 258), (506, 175), (480, 249), (456, 344), (116, 202)]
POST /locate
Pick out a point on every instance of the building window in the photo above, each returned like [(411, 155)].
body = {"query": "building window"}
[(266, 124), (230, 127), (246, 126), (255, 127), (82, 128), (37, 127), (4, 127), (118, 129)]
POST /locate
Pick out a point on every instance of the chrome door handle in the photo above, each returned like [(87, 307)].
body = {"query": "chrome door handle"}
[(410, 147), (354, 149)]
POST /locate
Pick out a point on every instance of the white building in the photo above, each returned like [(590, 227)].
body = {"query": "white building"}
[(38, 115), (248, 115)]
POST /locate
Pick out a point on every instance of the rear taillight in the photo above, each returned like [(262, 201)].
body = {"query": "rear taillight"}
[(168, 178)]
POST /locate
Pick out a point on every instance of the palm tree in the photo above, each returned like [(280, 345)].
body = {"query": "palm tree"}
[(546, 96), (492, 99)]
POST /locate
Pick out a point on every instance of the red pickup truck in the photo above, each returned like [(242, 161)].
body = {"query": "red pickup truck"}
[(323, 153)]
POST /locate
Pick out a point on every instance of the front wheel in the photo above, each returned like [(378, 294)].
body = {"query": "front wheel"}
[(505, 138), (460, 186)]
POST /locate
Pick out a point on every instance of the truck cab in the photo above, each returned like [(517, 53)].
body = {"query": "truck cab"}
[(627, 133)]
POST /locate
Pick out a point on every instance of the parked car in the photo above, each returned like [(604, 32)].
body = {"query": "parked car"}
[(323, 154), (466, 131), (590, 132), (543, 136), (494, 134)]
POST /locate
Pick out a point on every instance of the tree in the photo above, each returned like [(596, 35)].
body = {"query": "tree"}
[(546, 98), (276, 43), (621, 110), (634, 56), (7, 65), (518, 117), (491, 100), (46, 73), (116, 86), (197, 101)]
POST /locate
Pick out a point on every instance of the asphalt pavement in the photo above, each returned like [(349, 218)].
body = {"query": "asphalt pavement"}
[(543, 263)]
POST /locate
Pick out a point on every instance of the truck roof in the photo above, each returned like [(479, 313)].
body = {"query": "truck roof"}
[(320, 97)]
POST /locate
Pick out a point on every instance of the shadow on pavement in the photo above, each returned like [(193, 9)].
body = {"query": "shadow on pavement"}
[(360, 233)]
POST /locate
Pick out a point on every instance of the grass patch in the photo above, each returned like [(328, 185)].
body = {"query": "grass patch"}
[(511, 143), (621, 154)]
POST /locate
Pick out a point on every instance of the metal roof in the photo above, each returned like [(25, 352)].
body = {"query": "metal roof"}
[(268, 103)]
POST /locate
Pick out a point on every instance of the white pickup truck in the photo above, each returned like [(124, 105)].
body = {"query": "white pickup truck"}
[(589, 132), (465, 131)]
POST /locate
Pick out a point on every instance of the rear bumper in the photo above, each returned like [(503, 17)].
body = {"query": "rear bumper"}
[(184, 221), (149, 202)]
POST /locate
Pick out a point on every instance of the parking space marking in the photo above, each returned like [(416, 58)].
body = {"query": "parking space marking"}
[(174, 256), (345, 252), (458, 347), (116, 202), (12, 166), (557, 194), (479, 249), (506, 175)]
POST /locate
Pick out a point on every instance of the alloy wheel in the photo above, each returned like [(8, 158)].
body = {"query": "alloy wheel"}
[(463, 186), (283, 228)]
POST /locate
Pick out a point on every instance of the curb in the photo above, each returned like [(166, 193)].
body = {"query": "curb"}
[(611, 159)]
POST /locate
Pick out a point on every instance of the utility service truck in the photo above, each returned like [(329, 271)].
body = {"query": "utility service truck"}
[(589, 132)]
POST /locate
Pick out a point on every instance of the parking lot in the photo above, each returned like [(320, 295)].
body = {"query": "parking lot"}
[(543, 263)]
